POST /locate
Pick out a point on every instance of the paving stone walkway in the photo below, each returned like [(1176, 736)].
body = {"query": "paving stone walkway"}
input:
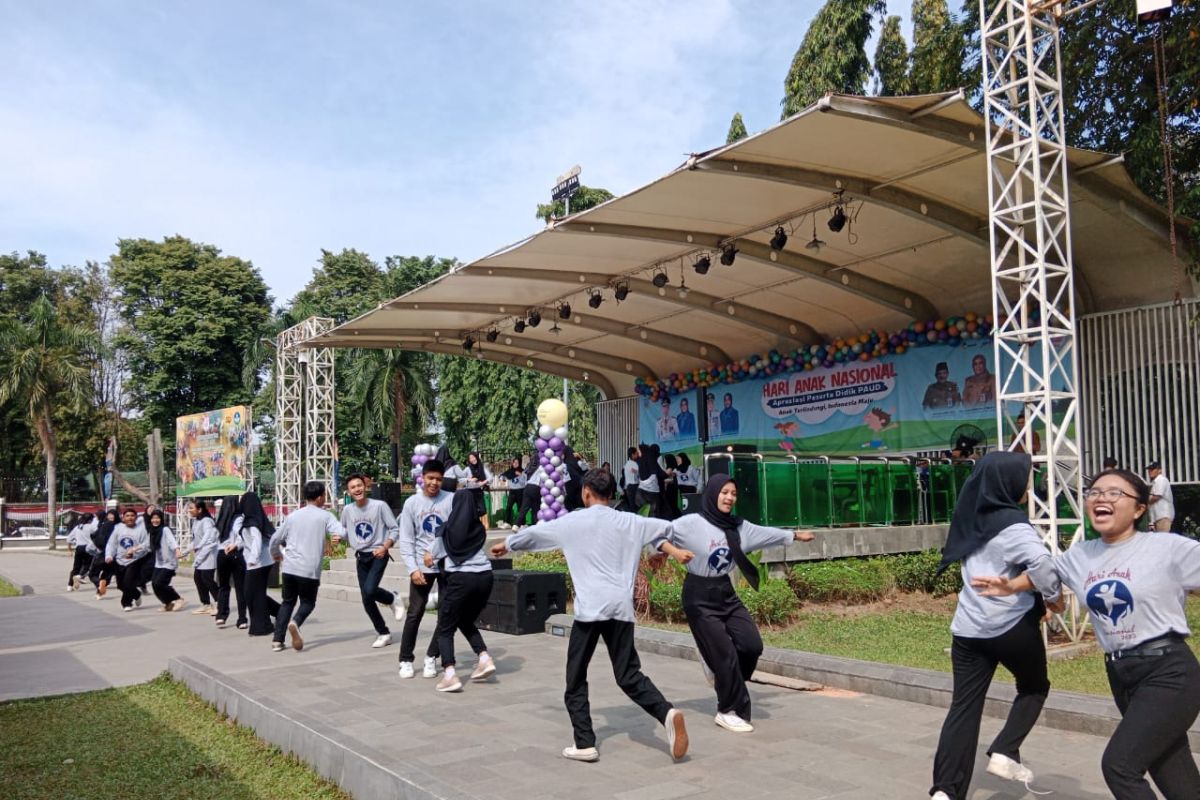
[(502, 739)]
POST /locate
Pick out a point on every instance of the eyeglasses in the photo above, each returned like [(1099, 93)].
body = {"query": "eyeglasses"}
[(1106, 494)]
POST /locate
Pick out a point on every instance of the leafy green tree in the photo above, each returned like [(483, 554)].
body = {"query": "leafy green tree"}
[(737, 129), (47, 366), (832, 57), (937, 54), (891, 60), (189, 314), (346, 285), (587, 197)]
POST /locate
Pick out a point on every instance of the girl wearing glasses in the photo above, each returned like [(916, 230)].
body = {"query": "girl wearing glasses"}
[(1135, 586)]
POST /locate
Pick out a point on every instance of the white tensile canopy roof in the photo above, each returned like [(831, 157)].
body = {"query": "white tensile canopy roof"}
[(913, 174)]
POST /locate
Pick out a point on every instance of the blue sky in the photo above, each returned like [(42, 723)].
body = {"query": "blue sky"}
[(276, 129)]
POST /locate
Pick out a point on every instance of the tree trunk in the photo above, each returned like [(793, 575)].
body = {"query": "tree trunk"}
[(50, 450), (399, 410)]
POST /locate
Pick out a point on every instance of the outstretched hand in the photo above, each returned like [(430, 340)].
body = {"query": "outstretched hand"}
[(683, 556), (993, 586), (499, 550), (804, 536)]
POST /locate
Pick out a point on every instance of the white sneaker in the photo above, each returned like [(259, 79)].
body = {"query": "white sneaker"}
[(76, 580), (382, 640), (70, 588), (449, 682), (677, 738), (406, 669), (127, 609), (397, 611), (1004, 767), (431, 668), (297, 640), (203, 610), (505, 526), (484, 668), (940, 795), (178, 604), (732, 722), (709, 677), (581, 753), (276, 647)]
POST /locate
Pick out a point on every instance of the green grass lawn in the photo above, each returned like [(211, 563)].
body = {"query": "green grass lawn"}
[(155, 740), (920, 639), (8, 590)]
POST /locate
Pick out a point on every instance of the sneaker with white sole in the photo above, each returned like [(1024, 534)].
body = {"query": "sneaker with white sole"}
[(588, 754), (939, 795), (220, 623), (449, 682), (1004, 767), (276, 647), (178, 604), (127, 609), (431, 668), (397, 611), (677, 738), (406, 669), (732, 722), (505, 526), (484, 668), (709, 676), (202, 610), (294, 632), (76, 582), (382, 640)]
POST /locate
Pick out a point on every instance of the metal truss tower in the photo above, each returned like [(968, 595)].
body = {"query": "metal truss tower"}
[(304, 419)]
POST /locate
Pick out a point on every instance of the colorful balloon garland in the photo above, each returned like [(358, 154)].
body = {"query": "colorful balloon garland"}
[(551, 442), (421, 454), (951, 331)]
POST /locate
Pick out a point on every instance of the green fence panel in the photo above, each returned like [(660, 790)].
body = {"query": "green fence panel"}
[(874, 493), (905, 494), (812, 480), (942, 492), (846, 494), (780, 496)]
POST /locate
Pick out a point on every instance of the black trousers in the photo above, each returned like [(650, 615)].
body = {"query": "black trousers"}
[(418, 598), (652, 499), (1159, 698), (79, 564), (727, 638), (206, 585), (231, 573), (129, 577), (627, 669), (465, 596), (512, 505), (1021, 651), (147, 574), (370, 573), (160, 582), (260, 606), (531, 498), (101, 571), (294, 587)]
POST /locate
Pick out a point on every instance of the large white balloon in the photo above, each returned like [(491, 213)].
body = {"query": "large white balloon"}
[(545, 432), (555, 492), (548, 483), (561, 432), (555, 461), (548, 453)]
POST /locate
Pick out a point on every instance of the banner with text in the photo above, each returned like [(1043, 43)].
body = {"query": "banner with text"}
[(211, 452)]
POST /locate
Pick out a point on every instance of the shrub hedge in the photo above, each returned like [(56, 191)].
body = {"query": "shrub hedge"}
[(773, 604), (852, 580), (552, 561)]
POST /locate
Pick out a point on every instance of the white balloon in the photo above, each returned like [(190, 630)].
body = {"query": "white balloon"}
[(549, 483), (548, 453), (561, 432), (545, 432), (555, 461), (555, 492)]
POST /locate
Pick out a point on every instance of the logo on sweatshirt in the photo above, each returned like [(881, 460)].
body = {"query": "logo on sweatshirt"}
[(432, 524), (1110, 600), (364, 530), (718, 560), (126, 542)]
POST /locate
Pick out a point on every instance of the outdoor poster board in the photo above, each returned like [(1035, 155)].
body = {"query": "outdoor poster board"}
[(211, 452)]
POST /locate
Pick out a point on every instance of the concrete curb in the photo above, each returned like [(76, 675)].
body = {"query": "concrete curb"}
[(24, 588), (359, 769), (1068, 711)]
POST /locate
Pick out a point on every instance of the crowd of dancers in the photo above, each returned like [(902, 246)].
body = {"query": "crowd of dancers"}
[(1133, 583)]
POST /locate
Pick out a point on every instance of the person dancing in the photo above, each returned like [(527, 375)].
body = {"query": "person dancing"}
[(371, 530), (166, 561), (205, 543), (101, 573), (302, 539), (255, 532), (128, 548), (231, 564), (422, 516)]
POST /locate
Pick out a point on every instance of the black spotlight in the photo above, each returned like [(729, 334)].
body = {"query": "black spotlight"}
[(564, 311), (779, 239), (492, 335), (535, 318), (468, 343), (659, 279), (728, 254), (595, 300), (702, 264), (519, 326), (838, 220), (621, 292)]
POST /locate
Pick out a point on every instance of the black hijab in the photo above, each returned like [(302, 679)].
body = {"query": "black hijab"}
[(728, 524), (225, 516), (463, 535), (476, 469), (512, 472), (443, 455), (255, 516), (100, 537), (155, 531), (647, 462), (685, 463), (669, 461), (571, 460), (989, 502)]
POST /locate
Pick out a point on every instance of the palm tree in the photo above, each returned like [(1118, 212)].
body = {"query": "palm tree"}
[(47, 363), (391, 390)]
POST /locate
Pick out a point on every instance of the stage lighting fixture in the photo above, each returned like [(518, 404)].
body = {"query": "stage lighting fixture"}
[(659, 279), (779, 239), (838, 220), (702, 264), (468, 343), (535, 318), (492, 335), (519, 326), (816, 244), (621, 292), (564, 311), (728, 254), (595, 300)]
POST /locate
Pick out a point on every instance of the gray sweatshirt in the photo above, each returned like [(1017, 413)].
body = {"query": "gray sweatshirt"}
[(165, 558), (255, 547), (369, 526), (420, 520), (709, 544), (603, 548), (476, 563), (1016, 549), (302, 539), (1134, 590), (124, 539), (204, 544)]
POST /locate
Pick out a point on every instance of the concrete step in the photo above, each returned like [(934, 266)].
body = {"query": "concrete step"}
[(393, 583), (352, 595)]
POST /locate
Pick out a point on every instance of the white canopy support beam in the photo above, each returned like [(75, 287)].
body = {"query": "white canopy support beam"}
[(885, 294)]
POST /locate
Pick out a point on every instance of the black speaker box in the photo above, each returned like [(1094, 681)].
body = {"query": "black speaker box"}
[(390, 492), (521, 601)]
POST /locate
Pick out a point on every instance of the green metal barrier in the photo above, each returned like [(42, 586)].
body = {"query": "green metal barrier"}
[(745, 469), (816, 500), (904, 493), (781, 496), (874, 492)]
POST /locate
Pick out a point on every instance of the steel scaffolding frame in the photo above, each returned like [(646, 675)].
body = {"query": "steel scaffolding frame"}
[(304, 413), (1033, 293)]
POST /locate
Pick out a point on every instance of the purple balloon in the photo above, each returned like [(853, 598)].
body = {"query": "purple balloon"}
[(421, 459), (545, 462), (541, 444), (416, 460), (556, 506), (562, 512), (555, 443), (546, 515)]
